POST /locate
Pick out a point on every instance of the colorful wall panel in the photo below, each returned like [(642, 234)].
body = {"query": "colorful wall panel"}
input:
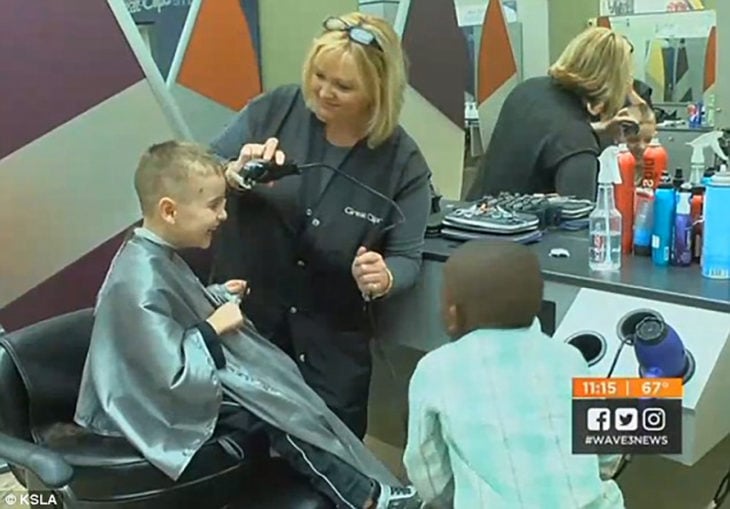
[(723, 64), (497, 70), (73, 121), (215, 71), (75, 118), (433, 113), (163, 24), (710, 65)]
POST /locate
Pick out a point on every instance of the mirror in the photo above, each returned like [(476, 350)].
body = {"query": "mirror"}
[(670, 52), (470, 16), (624, 7)]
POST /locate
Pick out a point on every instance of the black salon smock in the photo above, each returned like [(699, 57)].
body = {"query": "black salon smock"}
[(295, 242), (542, 143)]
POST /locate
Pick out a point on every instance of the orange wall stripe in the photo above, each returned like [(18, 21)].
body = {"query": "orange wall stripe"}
[(496, 63), (220, 62), (711, 58)]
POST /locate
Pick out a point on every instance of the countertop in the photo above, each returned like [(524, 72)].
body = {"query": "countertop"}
[(638, 277)]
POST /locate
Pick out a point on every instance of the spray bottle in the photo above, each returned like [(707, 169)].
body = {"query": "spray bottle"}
[(665, 203), (697, 162), (716, 235), (655, 162), (697, 205), (682, 239), (624, 193), (605, 220)]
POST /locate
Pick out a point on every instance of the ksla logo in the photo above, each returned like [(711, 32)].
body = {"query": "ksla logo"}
[(31, 499), (367, 216)]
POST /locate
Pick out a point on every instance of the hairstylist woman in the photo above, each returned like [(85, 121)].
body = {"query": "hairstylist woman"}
[(300, 242), (546, 138)]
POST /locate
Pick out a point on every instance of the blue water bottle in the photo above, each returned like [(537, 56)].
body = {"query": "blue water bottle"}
[(716, 233), (664, 205)]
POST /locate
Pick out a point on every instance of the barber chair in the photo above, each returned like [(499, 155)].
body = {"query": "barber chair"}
[(40, 374)]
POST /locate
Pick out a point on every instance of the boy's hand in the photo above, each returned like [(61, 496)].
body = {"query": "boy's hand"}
[(237, 287), (226, 318)]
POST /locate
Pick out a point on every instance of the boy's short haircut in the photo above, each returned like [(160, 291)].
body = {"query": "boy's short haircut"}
[(165, 169), (494, 284)]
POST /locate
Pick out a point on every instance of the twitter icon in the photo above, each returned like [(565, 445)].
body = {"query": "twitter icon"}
[(626, 419)]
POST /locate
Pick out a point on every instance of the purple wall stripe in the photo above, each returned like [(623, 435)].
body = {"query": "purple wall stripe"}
[(59, 59), (437, 55), (74, 287)]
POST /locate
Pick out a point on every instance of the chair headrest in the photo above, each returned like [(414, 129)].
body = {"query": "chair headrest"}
[(50, 357)]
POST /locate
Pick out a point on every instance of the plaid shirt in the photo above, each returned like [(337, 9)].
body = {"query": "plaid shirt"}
[(490, 426)]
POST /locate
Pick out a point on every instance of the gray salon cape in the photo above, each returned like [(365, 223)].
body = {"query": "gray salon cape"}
[(150, 378)]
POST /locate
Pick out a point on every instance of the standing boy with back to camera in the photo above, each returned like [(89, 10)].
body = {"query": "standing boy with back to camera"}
[(490, 413)]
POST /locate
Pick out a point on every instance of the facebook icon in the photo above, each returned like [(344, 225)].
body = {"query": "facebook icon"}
[(599, 419)]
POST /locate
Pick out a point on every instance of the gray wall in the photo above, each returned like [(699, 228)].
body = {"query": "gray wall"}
[(566, 19)]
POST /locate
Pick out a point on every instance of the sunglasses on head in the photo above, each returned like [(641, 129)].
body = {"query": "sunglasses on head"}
[(631, 46), (356, 33)]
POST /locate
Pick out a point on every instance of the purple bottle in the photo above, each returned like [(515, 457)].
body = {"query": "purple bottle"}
[(681, 253), (657, 345)]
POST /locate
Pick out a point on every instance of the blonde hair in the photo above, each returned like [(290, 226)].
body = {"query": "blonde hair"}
[(642, 112), (382, 70), (597, 65), (165, 169)]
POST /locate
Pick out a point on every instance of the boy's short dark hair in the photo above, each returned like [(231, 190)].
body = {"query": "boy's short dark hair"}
[(494, 284), (165, 170)]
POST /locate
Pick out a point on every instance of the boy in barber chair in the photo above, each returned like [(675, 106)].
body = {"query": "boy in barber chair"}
[(490, 413), (170, 360), (638, 141)]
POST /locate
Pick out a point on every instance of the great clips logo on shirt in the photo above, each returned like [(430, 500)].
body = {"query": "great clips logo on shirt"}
[(367, 216)]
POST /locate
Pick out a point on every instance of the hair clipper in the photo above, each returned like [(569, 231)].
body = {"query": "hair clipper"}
[(261, 171)]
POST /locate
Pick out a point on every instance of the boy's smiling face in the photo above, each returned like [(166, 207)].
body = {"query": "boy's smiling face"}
[(193, 217), (637, 143)]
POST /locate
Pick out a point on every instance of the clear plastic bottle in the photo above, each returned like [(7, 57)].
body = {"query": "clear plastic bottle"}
[(605, 232)]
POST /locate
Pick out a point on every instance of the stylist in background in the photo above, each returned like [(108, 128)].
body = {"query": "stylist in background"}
[(300, 243), (546, 139)]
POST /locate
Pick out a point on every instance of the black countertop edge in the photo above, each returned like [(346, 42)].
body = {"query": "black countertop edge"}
[(616, 287), (642, 292), (686, 129)]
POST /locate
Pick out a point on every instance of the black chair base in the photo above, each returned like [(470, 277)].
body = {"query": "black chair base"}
[(273, 485), (40, 373)]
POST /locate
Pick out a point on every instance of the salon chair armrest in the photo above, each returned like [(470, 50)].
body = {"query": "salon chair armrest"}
[(48, 466)]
